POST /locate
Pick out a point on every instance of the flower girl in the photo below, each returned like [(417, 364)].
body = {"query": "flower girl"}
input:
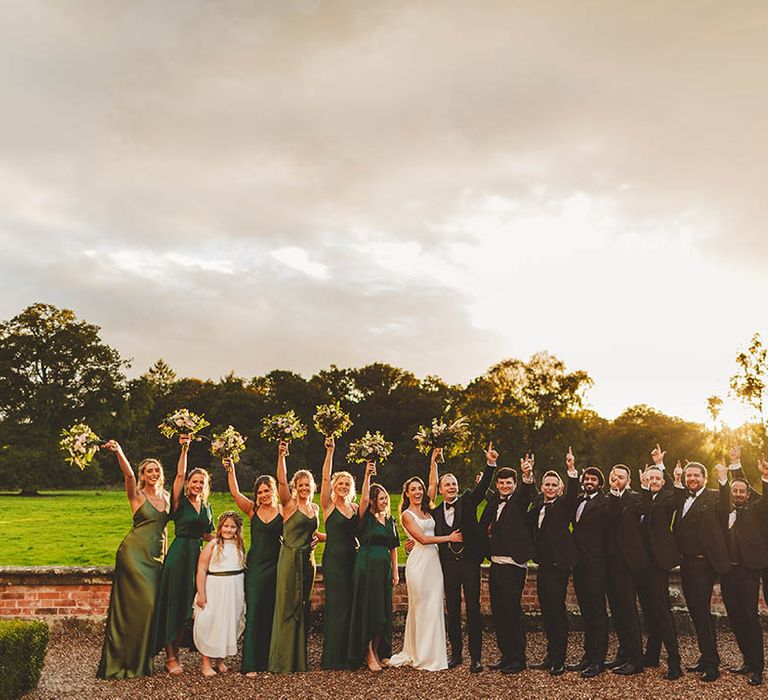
[(220, 601)]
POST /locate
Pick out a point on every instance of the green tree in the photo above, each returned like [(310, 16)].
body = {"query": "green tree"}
[(748, 384), (54, 371)]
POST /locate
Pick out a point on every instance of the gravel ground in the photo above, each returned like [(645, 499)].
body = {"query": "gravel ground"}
[(72, 659)]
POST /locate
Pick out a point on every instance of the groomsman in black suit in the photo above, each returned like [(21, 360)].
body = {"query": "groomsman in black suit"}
[(744, 526), (510, 547), (653, 581), (461, 561), (550, 521), (704, 554), (626, 557)]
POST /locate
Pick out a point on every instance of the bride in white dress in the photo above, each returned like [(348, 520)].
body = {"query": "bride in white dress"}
[(424, 643)]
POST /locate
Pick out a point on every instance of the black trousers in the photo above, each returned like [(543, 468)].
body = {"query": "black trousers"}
[(741, 589), (589, 584), (653, 593), (622, 598), (551, 585), (698, 579), (458, 574), (506, 583)]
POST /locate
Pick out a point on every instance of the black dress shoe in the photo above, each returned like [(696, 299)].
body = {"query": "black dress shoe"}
[(545, 665), (673, 673), (711, 674), (756, 678), (592, 671), (742, 670), (557, 670), (501, 663), (577, 667), (455, 661), (615, 663), (512, 669), (627, 669), (476, 666), (698, 667)]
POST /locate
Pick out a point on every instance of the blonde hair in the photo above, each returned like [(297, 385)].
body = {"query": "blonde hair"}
[(143, 465), (238, 538), (206, 486), (301, 474), (352, 493)]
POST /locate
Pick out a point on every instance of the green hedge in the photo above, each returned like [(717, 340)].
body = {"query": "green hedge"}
[(22, 652)]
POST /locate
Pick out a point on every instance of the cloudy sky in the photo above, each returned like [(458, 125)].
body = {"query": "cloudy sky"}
[(435, 184)]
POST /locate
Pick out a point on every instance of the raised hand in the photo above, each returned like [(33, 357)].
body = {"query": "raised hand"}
[(645, 478), (370, 468), (227, 463), (330, 444), (722, 472), (657, 454), (282, 449), (762, 465), (490, 454), (570, 461), (734, 452), (678, 472), (111, 445), (478, 477), (437, 454), (526, 466)]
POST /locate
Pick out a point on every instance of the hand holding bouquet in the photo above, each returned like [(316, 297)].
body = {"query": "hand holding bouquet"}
[(440, 435), (81, 444), (283, 427), (228, 444), (330, 421), (182, 422), (369, 448)]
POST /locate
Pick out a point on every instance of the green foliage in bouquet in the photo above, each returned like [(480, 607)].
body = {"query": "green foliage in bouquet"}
[(228, 444), (331, 421), (283, 426), (182, 422), (80, 443), (441, 434), (369, 448)]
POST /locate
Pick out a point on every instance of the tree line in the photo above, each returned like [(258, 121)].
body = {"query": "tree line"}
[(55, 371)]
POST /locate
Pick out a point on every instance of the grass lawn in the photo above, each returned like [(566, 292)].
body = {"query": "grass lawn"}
[(82, 528)]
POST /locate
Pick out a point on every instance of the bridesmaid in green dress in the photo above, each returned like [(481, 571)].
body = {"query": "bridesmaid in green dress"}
[(127, 651), (295, 570), (339, 513), (193, 523), (375, 575), (261, 572)]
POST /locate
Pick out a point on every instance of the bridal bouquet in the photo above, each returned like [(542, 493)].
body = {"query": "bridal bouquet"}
[(331, 421), (369, 448), (440, 434), (182, 422), (228, 444), (80, 443), (283, 427)]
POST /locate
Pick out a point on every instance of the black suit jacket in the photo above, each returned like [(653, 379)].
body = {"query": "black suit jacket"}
[(657, 528), (589, 531), (624, 527), (700, 531), (509, 535), (465, 519), (749, 529), (554, 538)]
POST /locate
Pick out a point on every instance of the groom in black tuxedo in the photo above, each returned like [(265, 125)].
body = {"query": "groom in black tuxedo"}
[(461, 560)]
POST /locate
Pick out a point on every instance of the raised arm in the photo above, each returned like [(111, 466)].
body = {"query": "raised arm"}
[(325, 487), (202, 573), (572, 489), (282, 476), (724, 504), (478, 493), (370, 470), (244, 503), (413, 529), (131, 489), (181, 471), (433, 475)]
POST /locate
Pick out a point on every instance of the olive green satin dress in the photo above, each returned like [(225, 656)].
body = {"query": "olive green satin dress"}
[(372, 589), (295, 576), (177, 585), (338, 571), (127, 651), (260, 584)]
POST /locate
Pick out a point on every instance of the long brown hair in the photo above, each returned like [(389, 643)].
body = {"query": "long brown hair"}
[(373, 499), (405, 502), (269, 481), (238, 538)]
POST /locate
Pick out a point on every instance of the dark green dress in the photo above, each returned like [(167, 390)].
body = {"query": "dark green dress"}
[(127, 649), (372, 589), (177, 586), (338, 570), (260, 584), (295, 576)]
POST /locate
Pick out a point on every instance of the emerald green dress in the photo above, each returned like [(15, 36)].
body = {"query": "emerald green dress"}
[(372, 589), (295, 576), (338, 570), (127, 651), (260, 585), (176, 596)]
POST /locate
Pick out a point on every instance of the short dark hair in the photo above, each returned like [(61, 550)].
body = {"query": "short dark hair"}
[(506, 473), (595, 471), (699, 466), (741, 480)]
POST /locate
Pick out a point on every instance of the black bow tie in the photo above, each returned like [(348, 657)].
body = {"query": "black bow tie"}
[(503, 499), (692, 494), (450, 505)]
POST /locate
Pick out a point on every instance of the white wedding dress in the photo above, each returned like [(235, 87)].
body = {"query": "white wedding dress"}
[(424, 643)]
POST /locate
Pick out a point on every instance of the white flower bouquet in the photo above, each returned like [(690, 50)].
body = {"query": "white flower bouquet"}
[(440, 434), (80, 443), (228, 444), (284, 427), (369, 448), (182, 422), (331, 421)]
